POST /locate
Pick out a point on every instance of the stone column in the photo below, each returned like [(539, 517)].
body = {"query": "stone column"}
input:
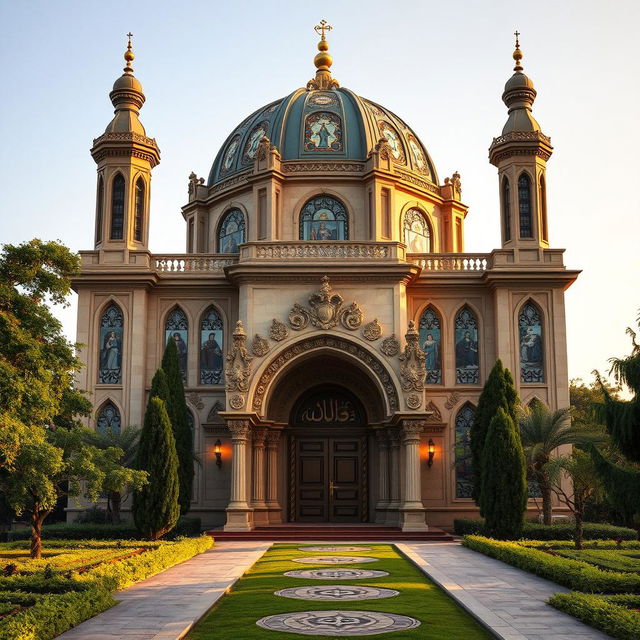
[(412, 510), (239, 514), (258, 435), (394, 475), (383, 476), (275, 510)]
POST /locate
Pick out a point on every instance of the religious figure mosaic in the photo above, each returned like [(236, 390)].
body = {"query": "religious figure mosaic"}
[(462, 452), (324, 219), (531, 345), (232, 231), (230, 155), (108, 420), (467, 354), (417, 235), (323, 132), (251, 145), (211, 347), (430, 343), (176, 328), (419, 158), (393, 138), (111, 338)]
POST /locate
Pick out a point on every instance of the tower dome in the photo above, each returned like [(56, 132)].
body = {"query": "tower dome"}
[(322, 122)]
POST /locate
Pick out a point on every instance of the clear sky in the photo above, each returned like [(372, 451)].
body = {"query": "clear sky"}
[(440, 66)]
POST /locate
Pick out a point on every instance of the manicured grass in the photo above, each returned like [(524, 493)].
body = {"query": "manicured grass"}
[(235, 615)]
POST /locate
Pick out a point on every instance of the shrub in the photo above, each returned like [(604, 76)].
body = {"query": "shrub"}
[(95, 515), (569, 573), (601, 613)]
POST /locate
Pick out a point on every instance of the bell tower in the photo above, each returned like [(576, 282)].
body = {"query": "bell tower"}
[(125, 157), (521, 153)]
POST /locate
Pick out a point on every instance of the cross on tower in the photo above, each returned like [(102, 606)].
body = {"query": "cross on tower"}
[(322, 27), (517, 35), (129, 35)]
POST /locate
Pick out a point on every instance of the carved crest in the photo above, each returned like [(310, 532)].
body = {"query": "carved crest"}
[(278, 331), (414, 400), (390, 346), (435, 416), (239, 361), (412, 366), (259, 346), (372, 330), (236, 402)]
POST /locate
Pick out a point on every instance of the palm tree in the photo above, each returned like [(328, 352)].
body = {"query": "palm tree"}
[(127, 441), (542, 431)]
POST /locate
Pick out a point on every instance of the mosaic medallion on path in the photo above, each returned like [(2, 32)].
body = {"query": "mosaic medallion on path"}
[(338, 623), (335, 559), (336, 574), (336, 592), (335, 549)]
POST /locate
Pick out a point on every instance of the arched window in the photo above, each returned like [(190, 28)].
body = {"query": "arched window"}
[(543, 209), (176, 328), (531, 344), (117, 208), (462, 450), (324, 218), (139, 208), (430, 341), (524, 206), (467, 349), (506, 208), (417, 234), (108, 419), (232, 232), (99, 210), (111, 339), (211, 347)]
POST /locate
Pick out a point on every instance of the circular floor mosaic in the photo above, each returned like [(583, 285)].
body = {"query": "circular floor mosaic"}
[(335, 559), (336, 574), (336, 592), (335, 549), (338, 623)]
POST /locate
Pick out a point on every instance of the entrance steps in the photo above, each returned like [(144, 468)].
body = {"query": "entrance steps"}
[(332, 532)]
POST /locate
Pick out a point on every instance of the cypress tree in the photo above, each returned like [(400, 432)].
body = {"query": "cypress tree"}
[(504, 479), (159, 387), (155, 507), (499, 391), (177, 410)]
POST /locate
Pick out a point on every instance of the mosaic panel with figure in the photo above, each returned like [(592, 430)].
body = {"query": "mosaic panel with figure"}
[(464, 470), (430, 341), (211, 348), (176, 328), (108, 420), (531, 344), (111, 338), (323, 132), (466, 339), (417, 235), (324, 218), (232, 232)]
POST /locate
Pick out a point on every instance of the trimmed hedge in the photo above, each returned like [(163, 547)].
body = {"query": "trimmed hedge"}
[(569, 573), (601, 613), (187, 526), (558, 531)]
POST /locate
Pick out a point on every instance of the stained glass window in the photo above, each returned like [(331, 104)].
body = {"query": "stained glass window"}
[(108, 420), (176, 328), (139, 217), (464, 472), (117, 208), (430, 341), (111, 338), (211, 347), (506, 208), (232, 232), (467, 350), (417, 235), (524, 204), (531, 344), (324, 218)]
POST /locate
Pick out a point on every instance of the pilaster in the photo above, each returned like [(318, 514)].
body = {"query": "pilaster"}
[(239, 514)]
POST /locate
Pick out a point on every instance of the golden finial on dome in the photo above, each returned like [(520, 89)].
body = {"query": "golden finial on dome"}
[(517, 54), (128, 55), (323, 61)]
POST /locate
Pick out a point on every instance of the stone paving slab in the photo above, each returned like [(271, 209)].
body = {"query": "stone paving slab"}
[(167, 605), (507, 600)]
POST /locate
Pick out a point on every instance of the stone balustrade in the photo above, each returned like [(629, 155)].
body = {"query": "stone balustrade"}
[(322, 250), (194, 263), (478, 262)]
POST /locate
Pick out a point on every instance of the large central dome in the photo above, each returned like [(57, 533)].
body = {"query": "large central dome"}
[(322, 122)]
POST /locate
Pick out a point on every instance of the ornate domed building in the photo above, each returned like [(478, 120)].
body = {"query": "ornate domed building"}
[(333, 334)]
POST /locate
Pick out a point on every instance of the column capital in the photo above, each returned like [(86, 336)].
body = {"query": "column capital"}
[(393, 435), (258, 435), (382, 438), (273, 437), (411, 430), (239, 429)]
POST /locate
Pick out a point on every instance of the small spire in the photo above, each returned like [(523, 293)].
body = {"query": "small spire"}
[(323, 61), (517, 54), (128, 55)]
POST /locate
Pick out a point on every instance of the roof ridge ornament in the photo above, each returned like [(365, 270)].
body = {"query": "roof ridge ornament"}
[(517, 54), (323, 62), (128, 56)]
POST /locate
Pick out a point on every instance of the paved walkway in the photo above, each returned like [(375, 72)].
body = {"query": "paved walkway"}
[(511, 602), (167, 605)]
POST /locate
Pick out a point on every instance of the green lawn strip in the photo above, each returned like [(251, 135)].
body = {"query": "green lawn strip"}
[(252, 598), (609, 559), (600, 612), (625, 545)]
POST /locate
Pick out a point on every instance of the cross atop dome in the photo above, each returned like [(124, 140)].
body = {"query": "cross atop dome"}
[(323, 61), (322, 27)]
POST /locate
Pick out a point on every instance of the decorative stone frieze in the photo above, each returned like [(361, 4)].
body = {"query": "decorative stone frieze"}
[(259, 346), (372, 331), (390, 346), (412, 366), (239, 360), (278, 331)]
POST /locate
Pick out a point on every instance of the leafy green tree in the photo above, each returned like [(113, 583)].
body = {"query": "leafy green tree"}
[(156, 508), (37, 364), (499, 391), (504, 479), (177, 410)]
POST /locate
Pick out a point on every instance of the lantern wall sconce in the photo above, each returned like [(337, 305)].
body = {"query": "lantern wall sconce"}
[(432, 452), (217, 449)]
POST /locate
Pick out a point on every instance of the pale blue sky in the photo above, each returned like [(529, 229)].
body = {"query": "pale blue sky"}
[(440, 66)]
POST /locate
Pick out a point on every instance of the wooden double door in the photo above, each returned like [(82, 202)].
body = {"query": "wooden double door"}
[(330, 479)]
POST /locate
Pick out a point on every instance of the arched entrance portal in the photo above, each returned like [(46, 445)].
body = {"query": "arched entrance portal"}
[(328, 457)]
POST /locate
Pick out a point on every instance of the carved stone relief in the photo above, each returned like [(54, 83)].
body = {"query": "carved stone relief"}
[(259, 346), (435, 416), (372, 330), (278, 331), (452, 400), (414, 401), (238, 368), (412, 365), (390, 346), (213, 416), (195, 401), (236, 402)]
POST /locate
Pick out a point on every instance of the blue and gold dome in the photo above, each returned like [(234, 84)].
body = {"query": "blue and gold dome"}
[(322, 122)]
